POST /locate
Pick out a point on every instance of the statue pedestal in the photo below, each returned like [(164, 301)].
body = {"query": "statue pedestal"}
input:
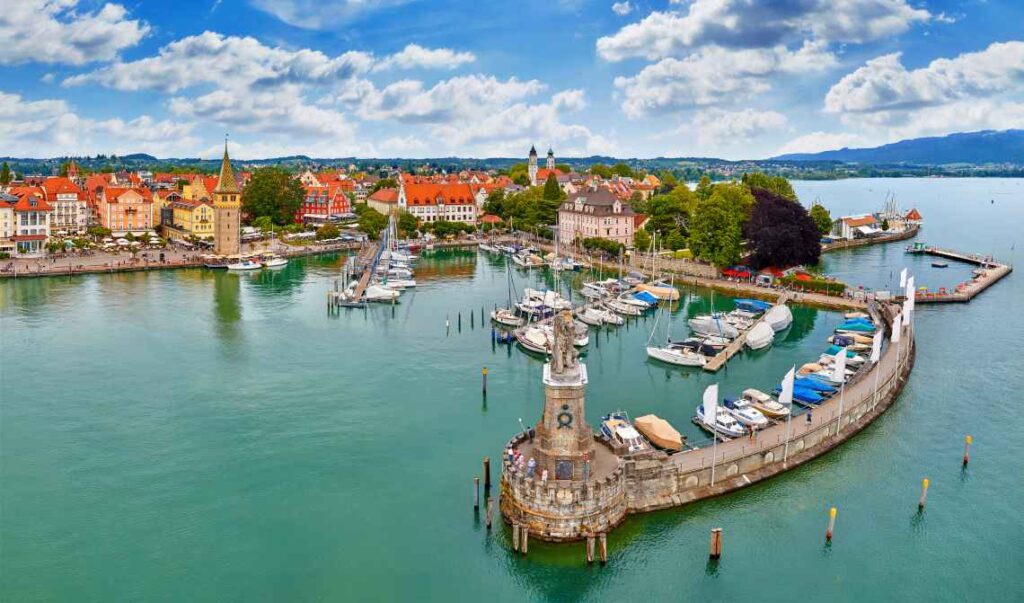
[(564, 439)]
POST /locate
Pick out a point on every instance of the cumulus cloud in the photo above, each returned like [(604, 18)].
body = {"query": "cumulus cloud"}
[(53, 31), (885, 85), (415, 56), (816, 142), (757, 24), (714, 75), (50, 127), (323, 14), (458, 98), (715, 127), (622, 8)]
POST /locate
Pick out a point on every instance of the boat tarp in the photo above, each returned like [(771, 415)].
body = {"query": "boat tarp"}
[(644, 296), (752, 304), (659, 432)]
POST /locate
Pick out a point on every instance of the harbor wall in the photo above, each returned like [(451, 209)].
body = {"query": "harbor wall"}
[(889, 238)]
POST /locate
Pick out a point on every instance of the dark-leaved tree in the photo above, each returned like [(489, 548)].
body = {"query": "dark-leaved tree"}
[(781, 233)]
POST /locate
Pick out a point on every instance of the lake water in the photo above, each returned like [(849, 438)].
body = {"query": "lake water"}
[(206, 436)]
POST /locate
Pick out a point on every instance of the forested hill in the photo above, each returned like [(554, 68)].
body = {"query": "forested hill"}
[(988, 146)]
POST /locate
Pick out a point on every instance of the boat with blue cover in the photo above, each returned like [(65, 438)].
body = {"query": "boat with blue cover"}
[(755, 306), (813, 384)]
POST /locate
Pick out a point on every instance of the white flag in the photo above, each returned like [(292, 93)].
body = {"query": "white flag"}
[(906, 311), (839, 366), (876, 346), (912, 297), (897, 328), (711, 405), (786, 395), (903, 278)]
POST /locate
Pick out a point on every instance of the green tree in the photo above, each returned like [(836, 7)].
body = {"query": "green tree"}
[(98, 232), (327, 231), (715, 231), (407, 223), (565, 168), (622, 169), (264, 223), (371, 221), (885, 224), (776, 184), (821, 218), (668, 180), (638, 203), (495, 203), (552, 192), (599, 169), (5, 174), (641, 240), (736, 197), (521, 179), (675, 241), (273, 192), (703, 188), (383, 183)]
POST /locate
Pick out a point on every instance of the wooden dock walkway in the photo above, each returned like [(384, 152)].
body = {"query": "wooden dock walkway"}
[(991, 272), (367, 255), (736, 345)]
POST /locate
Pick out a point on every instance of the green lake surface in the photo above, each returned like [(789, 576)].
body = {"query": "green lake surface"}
[(201, 436)]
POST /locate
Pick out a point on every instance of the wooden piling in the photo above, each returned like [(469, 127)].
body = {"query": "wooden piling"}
[(484, 375), (490, 510), (924, 494), (967, 449), (476, 493), (590, 548), (831, 524), (487, 475), (524, 540), (460, 321), (715, 549), (515, 536), (603, 547)]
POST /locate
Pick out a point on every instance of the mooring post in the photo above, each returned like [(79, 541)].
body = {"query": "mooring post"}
[(603, 547), (476, 493), (967, 449), (490, 510), (524, 541), (924, 494), (515, 536), (831, 524), (590, 548), (487, 475), (472, 320), (460, 322), (715, 551), (484, 374)]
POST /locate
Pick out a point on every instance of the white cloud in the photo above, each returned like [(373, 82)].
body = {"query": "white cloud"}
[(717, 128), (52, 31), (460, 98), (225, 61), (714, 75), (50, 127), (323, 14), (415, 56), (622, 8), (816, 142), (885, 85), (757, 24)]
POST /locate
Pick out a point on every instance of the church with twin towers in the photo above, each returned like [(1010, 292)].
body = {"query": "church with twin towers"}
[(537, 175)]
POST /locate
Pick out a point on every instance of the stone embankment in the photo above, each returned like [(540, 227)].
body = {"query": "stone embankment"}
[(902, 235)]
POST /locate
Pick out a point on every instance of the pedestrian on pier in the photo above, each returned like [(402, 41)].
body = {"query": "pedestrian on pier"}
[(531, 467), (544, 477), (808, 416)]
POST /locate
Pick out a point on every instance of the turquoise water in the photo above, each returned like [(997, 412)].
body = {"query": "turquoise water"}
[(209, 436)]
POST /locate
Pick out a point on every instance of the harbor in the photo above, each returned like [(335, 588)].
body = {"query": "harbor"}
[(989, 272)]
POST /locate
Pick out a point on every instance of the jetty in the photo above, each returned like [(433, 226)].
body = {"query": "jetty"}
[(990, 272), (736, 345), (901, 235)]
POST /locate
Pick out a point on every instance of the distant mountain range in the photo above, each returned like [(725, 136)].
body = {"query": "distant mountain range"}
[(976, 148)]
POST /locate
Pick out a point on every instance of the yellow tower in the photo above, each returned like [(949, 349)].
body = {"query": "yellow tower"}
[(227, 205)]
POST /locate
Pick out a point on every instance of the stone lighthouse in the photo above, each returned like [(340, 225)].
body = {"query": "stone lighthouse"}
[(564, 439)]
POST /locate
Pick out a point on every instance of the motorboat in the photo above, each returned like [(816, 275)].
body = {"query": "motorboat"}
[(707, 324), (594, 291), (269, 260), (506, 316), (724, 423), (810, 367), (380, 293), (743, 411), (489, 248), (754, 306), (591, 316), (804, 396), (678, 355), (403, 273), (611, 318), (940, 264), (661, 290), (768, 406), (533, 339), (243, 264), (851, 357), (527, 260), (659, 432), (851, 315), (644, 298), (760, 336), (817, 385), (214, 262), (618, 431), (779, 317), (399, 283), (621, 307)]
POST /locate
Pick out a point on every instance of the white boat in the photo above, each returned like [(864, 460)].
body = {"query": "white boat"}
[(679, 356), (270, 260), (778, 317), (533, 339), (716, 325), (244, 264), (611, 318), (506, 316), (724, 423), (760, 336), (400, 283), (627, 298), (591, 316), (380, 293), (623, 308), (743, 411), (769, 407), (660, 290), (489, 248)]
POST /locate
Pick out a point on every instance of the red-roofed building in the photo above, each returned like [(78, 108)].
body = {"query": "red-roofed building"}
[(323, 202), (914, 217), (431, 202), (383, 200), (124, 210), (490, 219), (32, 219), (7, 222), (70, 212)]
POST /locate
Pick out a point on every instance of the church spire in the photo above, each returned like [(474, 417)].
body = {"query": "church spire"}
[(226, 183)]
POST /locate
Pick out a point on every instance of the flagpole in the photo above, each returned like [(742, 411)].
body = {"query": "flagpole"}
[(714, 446), (874, 397), (786, 397), (842, 398)]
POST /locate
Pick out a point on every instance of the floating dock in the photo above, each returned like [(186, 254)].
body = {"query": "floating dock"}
[(989, 273), (736, 345)]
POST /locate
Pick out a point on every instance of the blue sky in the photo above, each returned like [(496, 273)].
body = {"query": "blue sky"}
[(425, 78)]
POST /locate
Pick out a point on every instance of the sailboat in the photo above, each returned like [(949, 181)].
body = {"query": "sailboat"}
[(507, 315), (713, 324), (673, 353)]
